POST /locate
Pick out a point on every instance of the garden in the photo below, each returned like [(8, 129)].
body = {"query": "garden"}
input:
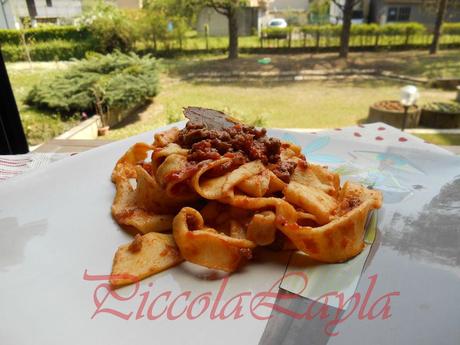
[(55, 43), (47, 110), (133, 69), (168, 29)]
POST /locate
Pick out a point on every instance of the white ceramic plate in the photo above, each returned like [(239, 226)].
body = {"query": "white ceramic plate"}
[(55, 225)]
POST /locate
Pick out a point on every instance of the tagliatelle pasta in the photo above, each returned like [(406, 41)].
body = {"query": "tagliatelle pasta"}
[(221, 189)]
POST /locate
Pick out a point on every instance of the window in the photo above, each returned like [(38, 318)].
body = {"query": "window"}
[(404, 13), (357, 14), (49, 3), (398, 14)]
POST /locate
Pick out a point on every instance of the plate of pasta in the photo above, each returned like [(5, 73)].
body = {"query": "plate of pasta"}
[(217, 190)]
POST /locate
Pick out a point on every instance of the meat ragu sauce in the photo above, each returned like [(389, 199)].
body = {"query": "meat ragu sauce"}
[(237, 141)]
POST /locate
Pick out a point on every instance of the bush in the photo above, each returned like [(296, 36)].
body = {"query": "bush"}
[(109, 27), (330, 30), (451, 28), (398, 29), (44, 33), (402, 29), (276, 33), (47, 51), (10, 36), (100, 83), (310, 29), (443, 107), (13, 53), (59, 50), (365, 29), (50, 33)]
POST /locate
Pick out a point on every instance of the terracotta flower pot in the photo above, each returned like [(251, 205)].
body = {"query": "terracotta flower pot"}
[(103, 131)]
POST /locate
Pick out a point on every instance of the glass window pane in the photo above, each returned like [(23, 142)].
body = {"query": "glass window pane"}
[(392, 14)]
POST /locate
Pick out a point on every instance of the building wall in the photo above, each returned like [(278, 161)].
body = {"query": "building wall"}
[(131, 4), (284, 5), (218, 23), (7, 20), (336, 14), (418, 13), (59, 8)]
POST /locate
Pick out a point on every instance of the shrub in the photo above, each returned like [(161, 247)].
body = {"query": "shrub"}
[(276, 33), (10, 36), (59, 50), (365, 29), (47, 51), (13, 53), (443, 107), (45, 33), (109, 27), (451, 28), (99, 83), (330, 30), (310, 29), (50, 33), (401, 29), (398, 29)]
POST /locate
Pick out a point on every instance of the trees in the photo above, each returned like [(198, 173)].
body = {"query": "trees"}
[(229, 8), (180, 9), (346, 7), (441, 6), (167, 20), (109, 26)]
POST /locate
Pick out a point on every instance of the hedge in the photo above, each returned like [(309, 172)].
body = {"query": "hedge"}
[(44, 33), (397, 29), (451, 28), (277, 33), (47, 51)]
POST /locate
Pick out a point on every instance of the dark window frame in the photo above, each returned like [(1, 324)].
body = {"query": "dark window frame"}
[(399, 13), (49, 3), (404, 13)]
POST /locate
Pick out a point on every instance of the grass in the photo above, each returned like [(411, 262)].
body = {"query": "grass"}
[(312, 104), (304, 104), (441, 139), (38, 125), (413, 63)]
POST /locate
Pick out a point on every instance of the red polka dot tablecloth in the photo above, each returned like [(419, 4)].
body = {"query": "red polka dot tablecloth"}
[(375, 133), (379, 134)]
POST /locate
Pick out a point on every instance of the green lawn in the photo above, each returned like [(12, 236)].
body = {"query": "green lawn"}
[(441, 139), (38, 125), (413, 63), (313, 104), (302, 104)]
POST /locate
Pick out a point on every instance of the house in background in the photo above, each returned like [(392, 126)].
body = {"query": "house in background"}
[(13, 12), (251, 18), (393, 11), (7, 19), (360, 12), (279, 6), (128, 4), (39, 11), (248, 20)]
